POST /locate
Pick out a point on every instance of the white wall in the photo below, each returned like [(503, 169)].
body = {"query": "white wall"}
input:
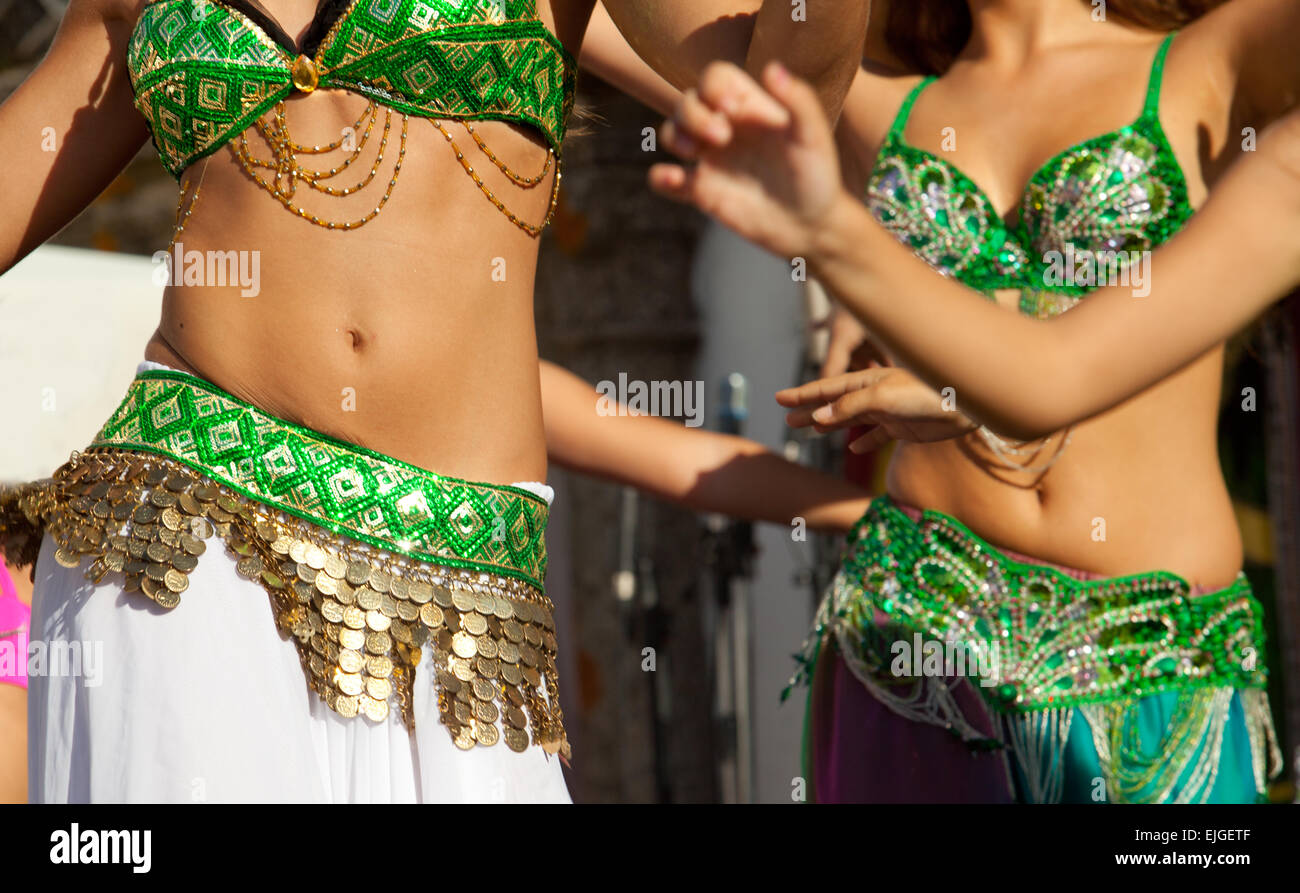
[(73, 326)]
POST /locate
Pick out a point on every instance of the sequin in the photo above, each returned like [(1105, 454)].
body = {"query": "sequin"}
[(203, 72), (1038, 644), (1101, 202), (252, 479)]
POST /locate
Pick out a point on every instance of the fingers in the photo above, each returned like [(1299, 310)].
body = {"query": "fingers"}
[(731, 91), (838, 355), (824, 390), (807, 117), (872, 440), (674, 181), (857, 407), (846, 338), (706, 116), (853, 408), (700, 121)]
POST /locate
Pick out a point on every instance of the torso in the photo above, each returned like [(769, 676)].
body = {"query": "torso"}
[(1139, 488), (412, 335)]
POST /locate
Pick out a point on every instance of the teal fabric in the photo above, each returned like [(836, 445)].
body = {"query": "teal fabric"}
[(1234, 783)]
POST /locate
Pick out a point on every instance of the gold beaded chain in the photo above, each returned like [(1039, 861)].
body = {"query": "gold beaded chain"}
[(367, 112), (278, 134), (182, 219), (288, 171), (526, 182), (286, 166)]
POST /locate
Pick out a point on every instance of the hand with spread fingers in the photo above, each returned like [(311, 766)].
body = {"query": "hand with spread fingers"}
[(765, 159), (894, 402)]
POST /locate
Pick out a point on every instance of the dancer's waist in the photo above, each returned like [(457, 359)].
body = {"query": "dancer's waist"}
[(918, 515), (1114, 503), (407, 372), (347, 489)]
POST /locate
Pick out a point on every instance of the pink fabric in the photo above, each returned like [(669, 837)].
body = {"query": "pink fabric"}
[(15, 624)]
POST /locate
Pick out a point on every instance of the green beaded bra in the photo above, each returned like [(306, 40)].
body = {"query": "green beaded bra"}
[(1095, 204), (204, 71)]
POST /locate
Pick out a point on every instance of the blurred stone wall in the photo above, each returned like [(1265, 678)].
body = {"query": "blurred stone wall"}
[(614, 296)]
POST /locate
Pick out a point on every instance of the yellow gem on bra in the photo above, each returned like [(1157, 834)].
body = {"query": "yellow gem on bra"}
[(303, 72)]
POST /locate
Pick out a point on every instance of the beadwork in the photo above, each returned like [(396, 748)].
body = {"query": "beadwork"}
[(365, 558), (1109, 196), (1045, 643), (204, 72), (357, 492), (1062, 642)]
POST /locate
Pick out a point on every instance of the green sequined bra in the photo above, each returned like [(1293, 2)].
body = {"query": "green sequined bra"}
[(204, 71), (1091, 209)]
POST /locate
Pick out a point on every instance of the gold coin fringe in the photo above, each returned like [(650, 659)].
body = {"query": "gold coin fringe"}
[(359, 615)]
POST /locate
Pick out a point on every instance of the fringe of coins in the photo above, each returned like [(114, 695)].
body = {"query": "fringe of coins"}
[(359, 615)]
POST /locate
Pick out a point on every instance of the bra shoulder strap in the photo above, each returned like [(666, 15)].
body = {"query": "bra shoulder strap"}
[(1152, 107), (905, 111)]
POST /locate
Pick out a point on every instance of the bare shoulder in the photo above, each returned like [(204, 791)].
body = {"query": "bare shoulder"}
[(878, 92), (884, 90), (1233, 67), (1226, 35)]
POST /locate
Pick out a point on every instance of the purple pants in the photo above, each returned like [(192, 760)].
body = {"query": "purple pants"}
[(863, 752)]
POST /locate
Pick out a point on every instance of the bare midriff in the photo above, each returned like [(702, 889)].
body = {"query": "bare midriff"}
[(1137, 489), (412, 335)]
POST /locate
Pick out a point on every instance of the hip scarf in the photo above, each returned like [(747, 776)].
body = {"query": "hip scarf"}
[(365, 557), (916, 603)]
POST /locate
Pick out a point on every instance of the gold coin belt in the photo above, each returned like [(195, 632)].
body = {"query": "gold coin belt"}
[(360, 616)]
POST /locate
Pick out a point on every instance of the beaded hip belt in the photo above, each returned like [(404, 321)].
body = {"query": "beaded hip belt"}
[(1041, 637), (916, 604), (365, 557)]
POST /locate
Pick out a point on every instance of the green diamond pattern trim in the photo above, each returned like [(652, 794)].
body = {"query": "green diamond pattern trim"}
[(203, 72), (344, 488)]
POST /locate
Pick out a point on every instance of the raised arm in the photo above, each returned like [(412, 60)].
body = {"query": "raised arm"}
[(821, 42), (1260, 38), (1028, 378), (824, 47), (774, 180), (69, 128), (698, 469), (607, 54)]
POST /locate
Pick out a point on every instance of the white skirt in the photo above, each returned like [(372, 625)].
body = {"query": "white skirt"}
[(207, 703)]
